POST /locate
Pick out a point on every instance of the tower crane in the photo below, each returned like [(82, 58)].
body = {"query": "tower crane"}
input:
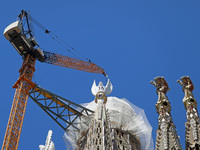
[(20, 35)]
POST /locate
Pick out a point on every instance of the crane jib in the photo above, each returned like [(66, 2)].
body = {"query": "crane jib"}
[(28, 46), (64, 61)]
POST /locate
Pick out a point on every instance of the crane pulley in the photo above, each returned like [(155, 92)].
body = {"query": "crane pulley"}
[(20, 35)]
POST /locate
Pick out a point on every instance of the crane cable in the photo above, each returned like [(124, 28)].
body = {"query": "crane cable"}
[(59, 40)]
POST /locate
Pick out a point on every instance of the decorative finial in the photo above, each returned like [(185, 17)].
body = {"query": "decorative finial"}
[(162, 87), (188, 88), (101, 91), (187, 84), (49, 145)]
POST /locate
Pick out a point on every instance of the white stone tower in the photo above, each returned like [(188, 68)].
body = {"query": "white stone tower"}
[(114, 125), (100, 135)]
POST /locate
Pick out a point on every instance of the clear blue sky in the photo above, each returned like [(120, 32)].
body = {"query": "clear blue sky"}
[(133, 40)]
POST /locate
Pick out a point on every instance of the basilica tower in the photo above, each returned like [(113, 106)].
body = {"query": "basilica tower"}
[(192, 126), (116, 124), (166, 134), (101, 135)]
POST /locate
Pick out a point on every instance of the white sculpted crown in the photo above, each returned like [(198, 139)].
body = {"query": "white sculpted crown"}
[(101, 88)]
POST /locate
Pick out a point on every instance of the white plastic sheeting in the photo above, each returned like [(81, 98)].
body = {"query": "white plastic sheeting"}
[(123, 115)]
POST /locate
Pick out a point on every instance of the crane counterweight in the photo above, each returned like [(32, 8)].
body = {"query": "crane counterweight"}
[(24, 45)]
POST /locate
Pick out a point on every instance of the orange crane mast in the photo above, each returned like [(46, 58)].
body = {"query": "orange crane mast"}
[(25, 44), (23, 86)]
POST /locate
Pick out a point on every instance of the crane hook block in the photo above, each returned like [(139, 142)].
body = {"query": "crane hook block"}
[(24, 45)]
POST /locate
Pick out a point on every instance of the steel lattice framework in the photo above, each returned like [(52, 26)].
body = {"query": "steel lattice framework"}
[(23, 86), (64, 61), (61, 110), (20, 35)]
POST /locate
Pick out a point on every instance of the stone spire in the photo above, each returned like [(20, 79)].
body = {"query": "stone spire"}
[(192, 126), (99, 130), (166, 135), (98, 136), (102, 133)]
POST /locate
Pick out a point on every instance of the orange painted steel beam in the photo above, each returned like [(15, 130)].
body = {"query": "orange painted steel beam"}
[(72, 63), (23, 86)]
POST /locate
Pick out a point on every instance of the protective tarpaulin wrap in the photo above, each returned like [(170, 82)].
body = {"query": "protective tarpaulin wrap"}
[(123, 115)]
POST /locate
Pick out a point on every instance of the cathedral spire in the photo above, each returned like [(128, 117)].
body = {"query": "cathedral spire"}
[(116, 127), (192, 126), (98, 137), (166, 135)]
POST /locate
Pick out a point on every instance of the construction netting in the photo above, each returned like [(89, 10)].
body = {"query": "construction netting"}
[(123, 115)]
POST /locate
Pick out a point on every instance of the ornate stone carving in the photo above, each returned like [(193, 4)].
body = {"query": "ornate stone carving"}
[(49, 145), (166, 135), (101, 91), (100, 135), (192, 126), (161, 89)]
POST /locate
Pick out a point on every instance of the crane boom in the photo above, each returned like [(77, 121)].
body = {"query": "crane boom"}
[(72, 63)]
